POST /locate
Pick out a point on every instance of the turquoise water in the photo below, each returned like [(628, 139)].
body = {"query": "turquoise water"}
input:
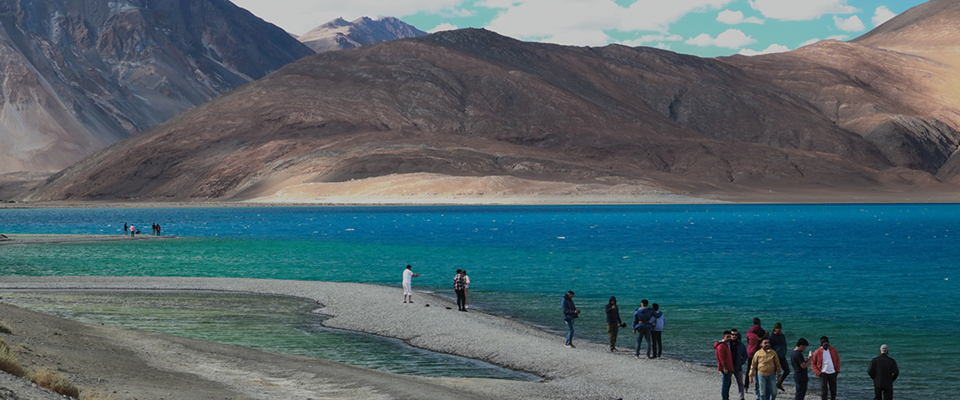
[(862, 274)]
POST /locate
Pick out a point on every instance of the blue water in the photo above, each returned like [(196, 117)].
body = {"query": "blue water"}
[(862, 274)]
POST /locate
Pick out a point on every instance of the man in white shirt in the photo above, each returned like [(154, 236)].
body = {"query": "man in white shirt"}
[(825, 363), (407, 290)]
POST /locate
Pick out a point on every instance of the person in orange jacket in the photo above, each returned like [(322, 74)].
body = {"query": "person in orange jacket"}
[(825, 363)]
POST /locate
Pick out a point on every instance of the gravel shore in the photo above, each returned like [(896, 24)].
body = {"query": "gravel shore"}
[(589, 371)]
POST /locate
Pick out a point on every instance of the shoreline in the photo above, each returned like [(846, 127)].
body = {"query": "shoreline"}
[(12, 239), (589, 371)]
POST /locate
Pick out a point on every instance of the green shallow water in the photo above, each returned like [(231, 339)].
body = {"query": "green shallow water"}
[(272, 323)]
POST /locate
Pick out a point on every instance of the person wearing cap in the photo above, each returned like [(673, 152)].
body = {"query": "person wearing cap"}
[(614, 323), (800, 368), (766, 366), (779, 344), (883, 370), (826, 365)]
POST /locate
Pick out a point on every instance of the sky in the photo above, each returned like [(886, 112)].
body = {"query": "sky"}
[(706, 28)]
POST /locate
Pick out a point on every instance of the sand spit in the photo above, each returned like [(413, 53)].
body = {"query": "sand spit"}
[(587, 372), (15, 239)]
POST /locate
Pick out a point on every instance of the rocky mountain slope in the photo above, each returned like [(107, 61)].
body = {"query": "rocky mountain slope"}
[(340, 34), (470, 103), (77, 75)]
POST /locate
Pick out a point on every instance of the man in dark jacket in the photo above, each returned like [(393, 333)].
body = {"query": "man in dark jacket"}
[(779, 344), (642, 327), (883, 370), (739, 352), (613, 322), (570, 312)]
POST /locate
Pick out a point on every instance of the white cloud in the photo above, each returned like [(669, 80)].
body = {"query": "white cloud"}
[(580, 38), (815, 40), (881, 15), (731, 39), (299, 16), (852, 24), (443, 27), (583, 21), (797, 10), (640, 41), (773, 48), (736, 17)]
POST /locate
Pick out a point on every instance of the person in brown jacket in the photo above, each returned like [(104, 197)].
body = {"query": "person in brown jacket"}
[(766, 365), (825, 363)]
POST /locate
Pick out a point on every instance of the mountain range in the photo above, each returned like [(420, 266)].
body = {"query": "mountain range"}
[(78, 75), (340, 34), (877, 114)]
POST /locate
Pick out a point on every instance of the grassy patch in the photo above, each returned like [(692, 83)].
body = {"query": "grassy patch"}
[(96, 395), (4, 328), (9, 362), (53, 382)]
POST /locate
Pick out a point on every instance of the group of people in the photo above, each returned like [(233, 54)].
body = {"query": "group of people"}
[(155, 230), (648, 323), (461, 286), (768, 366)]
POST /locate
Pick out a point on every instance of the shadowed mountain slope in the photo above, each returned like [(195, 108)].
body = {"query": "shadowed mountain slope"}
[(473, 103), (78, 75)]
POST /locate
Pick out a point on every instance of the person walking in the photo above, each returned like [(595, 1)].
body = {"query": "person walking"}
[(739, 352), (724, 363), (466, 290), (778, 342), (826, 365), (800, 368), (883, 370), (765, 364), (754, 335), (458, 287), (642, 327), (657, 332), (614, 323), (570, 312), (407, 289)]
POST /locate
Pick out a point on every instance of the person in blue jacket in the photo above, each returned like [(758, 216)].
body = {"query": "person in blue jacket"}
[(739, 352), (570, 312), (643, 326)]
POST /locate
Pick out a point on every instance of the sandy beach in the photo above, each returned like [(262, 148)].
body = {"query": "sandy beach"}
[(176, 366)]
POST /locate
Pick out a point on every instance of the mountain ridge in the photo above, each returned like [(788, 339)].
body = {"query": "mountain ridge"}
[(340, 34)]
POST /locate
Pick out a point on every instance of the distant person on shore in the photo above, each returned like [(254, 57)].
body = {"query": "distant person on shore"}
[(466, 290), (153, 229), (158, 230), (614, 323), (125, 228), (800, 368), (826, 365), (765, 364), (407, 287), (778, 342), (883, 370), (459, 283), (133, 230), (739, 352), (570, 312), (724, 363), (753, 344), (642, 327), (657, 332)]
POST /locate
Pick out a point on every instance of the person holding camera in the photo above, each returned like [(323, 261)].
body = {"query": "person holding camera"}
[(570, 312), (613, 322)]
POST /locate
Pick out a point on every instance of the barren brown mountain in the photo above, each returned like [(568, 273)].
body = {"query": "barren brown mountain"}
[(864, 116)]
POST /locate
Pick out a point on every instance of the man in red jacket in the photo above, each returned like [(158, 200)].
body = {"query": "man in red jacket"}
[(724, 363), (825, 363)]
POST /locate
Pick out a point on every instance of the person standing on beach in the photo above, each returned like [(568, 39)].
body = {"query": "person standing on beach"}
[(153, 229), (458, 287), (642, 327), (739, 352), (883, 370), (779, 344), (613, 322), (570, 312), (407, 289), (765, 364), (466, 290), (800, 369), (125, 229), (826, 365), (724, 363), (133, 230), (657, 332), (753, 344)]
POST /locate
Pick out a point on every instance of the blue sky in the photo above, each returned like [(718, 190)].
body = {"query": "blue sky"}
[(705, 28)]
